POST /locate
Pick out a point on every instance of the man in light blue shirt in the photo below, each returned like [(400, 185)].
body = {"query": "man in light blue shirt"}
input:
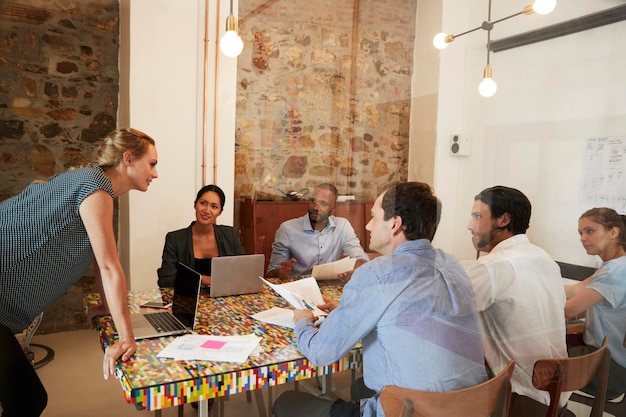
[(316, 238), (413, 309)]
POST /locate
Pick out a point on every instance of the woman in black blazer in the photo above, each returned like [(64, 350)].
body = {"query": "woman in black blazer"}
[(201, 241)]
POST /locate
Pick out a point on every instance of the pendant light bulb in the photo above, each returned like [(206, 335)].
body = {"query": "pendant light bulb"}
[(487, 86), (231, 43), (544, 6), (442, 40)]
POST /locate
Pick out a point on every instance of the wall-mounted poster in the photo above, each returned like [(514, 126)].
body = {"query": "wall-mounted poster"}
[(604, 183)]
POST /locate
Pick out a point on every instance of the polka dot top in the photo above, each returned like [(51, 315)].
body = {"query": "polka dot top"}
[(44, 247)]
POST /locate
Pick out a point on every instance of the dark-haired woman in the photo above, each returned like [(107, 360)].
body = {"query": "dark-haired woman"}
[(201, 241)]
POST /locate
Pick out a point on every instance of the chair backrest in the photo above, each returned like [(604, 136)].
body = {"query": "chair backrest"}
[(24, 337), (492, 397), (560, 375)]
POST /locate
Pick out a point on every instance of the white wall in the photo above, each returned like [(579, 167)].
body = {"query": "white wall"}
[(552, 96), (165, 94)]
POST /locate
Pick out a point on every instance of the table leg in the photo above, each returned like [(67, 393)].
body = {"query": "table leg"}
[(218, 407), (260, 403), (203, 408), (270, 401), (324, 384)]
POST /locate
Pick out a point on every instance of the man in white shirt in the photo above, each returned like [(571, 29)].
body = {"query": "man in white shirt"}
[(519, 294)]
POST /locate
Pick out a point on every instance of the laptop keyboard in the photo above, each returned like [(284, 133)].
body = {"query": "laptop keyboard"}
[(163, 322)]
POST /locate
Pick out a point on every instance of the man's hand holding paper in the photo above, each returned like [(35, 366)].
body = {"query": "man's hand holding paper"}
[(304, 295), (332, 270)]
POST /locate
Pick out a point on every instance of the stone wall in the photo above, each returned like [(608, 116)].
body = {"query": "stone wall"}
[(324, 91), (58, 98)]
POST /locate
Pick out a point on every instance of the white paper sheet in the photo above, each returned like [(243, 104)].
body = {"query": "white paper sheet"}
[(301, 294), (211, 348), (277, 316), (333, 269)]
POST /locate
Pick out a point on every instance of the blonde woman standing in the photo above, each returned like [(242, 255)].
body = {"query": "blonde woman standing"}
[(50, 234)]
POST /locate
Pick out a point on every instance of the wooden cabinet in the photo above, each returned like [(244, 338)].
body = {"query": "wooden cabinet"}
[(259, 221)]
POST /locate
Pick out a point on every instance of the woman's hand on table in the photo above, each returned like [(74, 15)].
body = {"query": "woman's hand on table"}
[(124, 349), (206, 280)]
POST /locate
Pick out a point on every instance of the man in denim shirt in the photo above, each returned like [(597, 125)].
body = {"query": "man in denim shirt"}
[(413, 310)]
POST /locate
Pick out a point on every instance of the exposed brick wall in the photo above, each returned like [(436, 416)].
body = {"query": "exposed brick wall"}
[(324, 91), (58, 98)]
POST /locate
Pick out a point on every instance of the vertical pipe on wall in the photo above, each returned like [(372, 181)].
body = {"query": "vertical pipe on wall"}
[(204, 90), (205, 97), (216, 89)]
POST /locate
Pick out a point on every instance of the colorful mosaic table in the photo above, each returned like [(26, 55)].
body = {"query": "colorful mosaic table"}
[(152, 383)]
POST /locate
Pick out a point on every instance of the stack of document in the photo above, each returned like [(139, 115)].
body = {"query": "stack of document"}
[(302, 294), (212, 348)]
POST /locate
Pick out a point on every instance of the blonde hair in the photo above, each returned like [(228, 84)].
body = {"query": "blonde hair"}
[(122, 140)]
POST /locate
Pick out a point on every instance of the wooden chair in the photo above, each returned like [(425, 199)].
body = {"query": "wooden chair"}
[(560, 375), (617, 406), (492, 397)]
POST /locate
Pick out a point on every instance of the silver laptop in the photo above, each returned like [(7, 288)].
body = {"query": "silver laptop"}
[(182, 318), (235, 275)]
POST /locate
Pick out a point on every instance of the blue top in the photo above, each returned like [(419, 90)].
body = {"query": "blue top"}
[(44, 247), (296, 238), (608, 317), (414, 312)]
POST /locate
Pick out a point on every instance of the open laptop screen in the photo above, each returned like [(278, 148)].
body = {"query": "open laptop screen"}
[(186, 292)]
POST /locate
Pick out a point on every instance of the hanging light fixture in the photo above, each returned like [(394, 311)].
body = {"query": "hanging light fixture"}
[(231, 44), (488, 86)]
